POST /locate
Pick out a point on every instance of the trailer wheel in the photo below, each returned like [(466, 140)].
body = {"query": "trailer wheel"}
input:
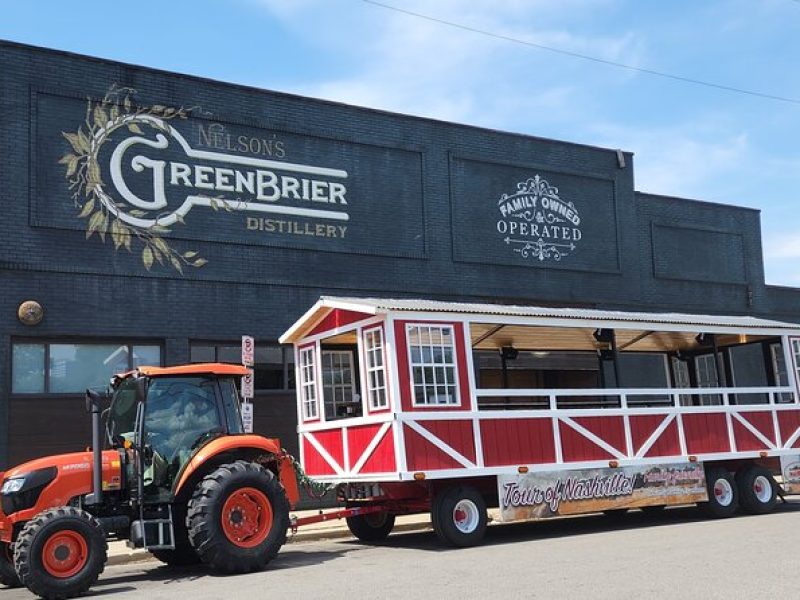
[(459, 516), (8, 576), (60, 553), (238, 517), (723, 497), (372, 527), (758, 492)]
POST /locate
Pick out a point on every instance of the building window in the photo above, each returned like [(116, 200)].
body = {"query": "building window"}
[(56, 368), (339, 390), (433, 368), (308, 382), (376, 371), (273, 368)]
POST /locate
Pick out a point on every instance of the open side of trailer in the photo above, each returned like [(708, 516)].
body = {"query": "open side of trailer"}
[(419, 405)]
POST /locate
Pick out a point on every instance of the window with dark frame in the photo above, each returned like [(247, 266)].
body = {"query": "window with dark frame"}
[(273, 367), (71, 367)]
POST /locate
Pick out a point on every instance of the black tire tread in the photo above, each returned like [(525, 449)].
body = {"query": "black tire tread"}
[(711, 508), (444, 529), (8, 575), (26, 566), (360, 527), (747, 499), (203, 527)]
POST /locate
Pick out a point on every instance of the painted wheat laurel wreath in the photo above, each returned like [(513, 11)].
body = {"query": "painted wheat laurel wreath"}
[(89, 194)]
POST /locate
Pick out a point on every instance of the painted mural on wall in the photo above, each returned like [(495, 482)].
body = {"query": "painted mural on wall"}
[(154, 180), (507, 214), (537, 223)]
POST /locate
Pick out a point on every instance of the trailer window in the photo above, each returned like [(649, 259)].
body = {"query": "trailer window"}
[(376, 371), (338, 385), (308, 382), (432, 359)]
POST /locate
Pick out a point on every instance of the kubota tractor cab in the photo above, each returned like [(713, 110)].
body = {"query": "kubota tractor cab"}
[(178, 476)]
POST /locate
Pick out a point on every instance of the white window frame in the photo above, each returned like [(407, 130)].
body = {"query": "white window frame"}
[(307, 366), (680, 372), (375, 399), (794, 347), (456, 394), (705, 382), (335, 386)]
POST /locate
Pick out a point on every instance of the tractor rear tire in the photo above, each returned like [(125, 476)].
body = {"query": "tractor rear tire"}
[(238, 518), (60, 553), (8, 575), (372, 527)]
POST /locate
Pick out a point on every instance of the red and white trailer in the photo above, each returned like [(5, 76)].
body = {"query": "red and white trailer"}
[(418, 405)]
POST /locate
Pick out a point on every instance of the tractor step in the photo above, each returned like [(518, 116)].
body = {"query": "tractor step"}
[(153, 533)]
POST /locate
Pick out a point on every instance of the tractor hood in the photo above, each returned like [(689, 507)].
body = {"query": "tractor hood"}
[(77, 462)]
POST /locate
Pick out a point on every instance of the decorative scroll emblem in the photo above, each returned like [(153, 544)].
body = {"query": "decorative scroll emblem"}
[(124, 185), (537, 223)]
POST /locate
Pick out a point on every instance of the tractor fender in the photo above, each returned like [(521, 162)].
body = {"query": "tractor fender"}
[(239, 444)]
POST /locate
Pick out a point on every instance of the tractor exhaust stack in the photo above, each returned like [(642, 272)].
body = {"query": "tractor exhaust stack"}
[(93, 400)]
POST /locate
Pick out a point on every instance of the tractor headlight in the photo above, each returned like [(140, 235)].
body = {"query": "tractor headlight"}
[(22, 492), (13, 485)]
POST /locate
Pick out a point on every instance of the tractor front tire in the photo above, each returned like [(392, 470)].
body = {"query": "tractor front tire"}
[(8, 575), (238, 517), (60, 553)]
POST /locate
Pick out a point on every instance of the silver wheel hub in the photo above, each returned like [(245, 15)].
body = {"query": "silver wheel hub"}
[(723, 492), (762, 489), (466, 516)]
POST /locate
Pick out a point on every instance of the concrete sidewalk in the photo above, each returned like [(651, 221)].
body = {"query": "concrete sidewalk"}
[(120, 554)]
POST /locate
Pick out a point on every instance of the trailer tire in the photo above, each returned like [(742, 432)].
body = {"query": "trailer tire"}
[(60, 553), (758, 492), (459, 516), (238, 517), (372, 527), (723, 496), (8, 575)]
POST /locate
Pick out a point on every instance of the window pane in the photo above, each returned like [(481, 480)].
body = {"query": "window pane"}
[(229, 354), (146, 355), (268, 367), (74, 367), (202, 354), (28, 369)]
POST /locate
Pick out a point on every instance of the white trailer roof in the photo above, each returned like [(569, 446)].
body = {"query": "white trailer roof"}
[(568, 317)]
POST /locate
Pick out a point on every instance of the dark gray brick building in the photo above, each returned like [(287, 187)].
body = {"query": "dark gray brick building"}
[(156, 217)]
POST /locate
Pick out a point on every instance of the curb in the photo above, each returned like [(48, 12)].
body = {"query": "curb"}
[(142, 556)]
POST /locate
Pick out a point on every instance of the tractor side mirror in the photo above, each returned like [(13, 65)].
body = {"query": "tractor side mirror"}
[(94, 400)]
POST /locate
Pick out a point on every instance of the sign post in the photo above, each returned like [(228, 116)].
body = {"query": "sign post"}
[(248, 359)]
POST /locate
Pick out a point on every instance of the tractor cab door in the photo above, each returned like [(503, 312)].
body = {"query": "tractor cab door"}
[(180, 414)]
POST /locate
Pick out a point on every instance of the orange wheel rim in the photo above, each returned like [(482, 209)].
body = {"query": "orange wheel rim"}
[(65, 553), (247, 517)]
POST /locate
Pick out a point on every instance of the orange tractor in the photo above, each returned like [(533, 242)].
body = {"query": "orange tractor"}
[(178, 476)]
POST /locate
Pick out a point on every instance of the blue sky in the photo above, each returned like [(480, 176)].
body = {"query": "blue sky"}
[(689, 141)]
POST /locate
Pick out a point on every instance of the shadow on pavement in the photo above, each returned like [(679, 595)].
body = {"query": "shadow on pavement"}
[(509, 533)]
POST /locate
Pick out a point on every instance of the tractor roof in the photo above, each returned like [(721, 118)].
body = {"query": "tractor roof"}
[(192, 369)]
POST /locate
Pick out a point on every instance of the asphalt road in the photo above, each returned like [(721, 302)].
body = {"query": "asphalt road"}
[(677, 554)]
